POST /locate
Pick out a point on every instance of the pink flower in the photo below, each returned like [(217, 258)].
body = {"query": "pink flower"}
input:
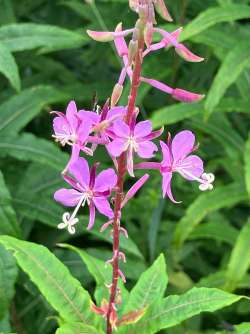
[(70, 130), (177, 158), (133, 139), (86, 188)]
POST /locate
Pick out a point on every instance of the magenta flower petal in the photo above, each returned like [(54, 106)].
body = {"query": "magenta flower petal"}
[(80, 170), (167, 155), (61, 126), (91, 215), (120, 43), (88, 116), (191, 167), (166, 187), (84, 131), (146, 149), (182, 144), (67, 197), (121, 129), (142, 129), (103, 206), (71, 113), (106, 180), (116, 147), (159, 85), (134, 189), (116, 111)]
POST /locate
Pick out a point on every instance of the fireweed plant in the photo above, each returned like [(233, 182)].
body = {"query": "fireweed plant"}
[(117, 128)]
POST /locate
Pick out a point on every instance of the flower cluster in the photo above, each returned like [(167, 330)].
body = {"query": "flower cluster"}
[(85, 130), (125, 138)]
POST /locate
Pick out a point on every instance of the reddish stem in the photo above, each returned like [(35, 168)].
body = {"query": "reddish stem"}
[(120, 183)]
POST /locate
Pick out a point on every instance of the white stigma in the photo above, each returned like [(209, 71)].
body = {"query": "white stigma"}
[(68, 221), (132, 143), (65, 139), (207, 180)]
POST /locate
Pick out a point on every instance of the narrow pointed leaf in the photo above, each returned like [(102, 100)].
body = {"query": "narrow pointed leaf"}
[(204, 204), (8, 67), (8, 219), (215, 15), (53, 279), (77, 328), (150, 286), (172, 310), (247, 164), (239, 261), (232, 66)]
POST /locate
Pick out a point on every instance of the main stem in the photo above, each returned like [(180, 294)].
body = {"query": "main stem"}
[(120, 183)]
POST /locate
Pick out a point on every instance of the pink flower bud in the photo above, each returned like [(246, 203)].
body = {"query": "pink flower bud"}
[(162, 10), (185, 96), (117, 92), (148, 33), (132, 49)]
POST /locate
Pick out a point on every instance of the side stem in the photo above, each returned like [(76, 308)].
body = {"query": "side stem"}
[(120, 183)]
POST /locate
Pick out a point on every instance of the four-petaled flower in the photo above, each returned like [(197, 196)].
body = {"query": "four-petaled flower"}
[(69, 129), (86, 188), (133, 139), (177, 158)]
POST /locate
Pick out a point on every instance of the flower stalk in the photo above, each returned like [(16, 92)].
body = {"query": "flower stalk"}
[(121, 172)]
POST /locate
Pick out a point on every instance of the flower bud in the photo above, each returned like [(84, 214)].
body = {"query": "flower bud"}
[(148, 33), (132, 49), (162, 10), (116, 94)]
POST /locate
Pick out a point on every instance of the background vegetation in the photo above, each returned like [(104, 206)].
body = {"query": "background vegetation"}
[(46, 59)]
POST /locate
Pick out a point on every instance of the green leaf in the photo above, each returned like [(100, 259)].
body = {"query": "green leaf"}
[(9, 67), (247, 164), (19, 110), (8, 217), (243, 328), (218, 230), (5, 325), (150, 286), (46, 38), (53, 279), (77, 328), (239, 261), (101, 272), (207, 202), (180, 111), (232, 66), (215, 15), (172, 310), (27, 147), (8, 275)]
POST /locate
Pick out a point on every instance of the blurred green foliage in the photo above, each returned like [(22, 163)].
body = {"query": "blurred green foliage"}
[(46, 59)]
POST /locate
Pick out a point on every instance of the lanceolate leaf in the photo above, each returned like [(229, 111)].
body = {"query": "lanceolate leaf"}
[(150, 286), (46, 38), (8, 67), (8, 275), (213, 16), (78, 328), (180, 111), (239, 261), (221, 197), (217, 230), (53, 279), (27, 147), (232, 66), (172, 310), (247, 164), (8, 219), (20, 109)]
